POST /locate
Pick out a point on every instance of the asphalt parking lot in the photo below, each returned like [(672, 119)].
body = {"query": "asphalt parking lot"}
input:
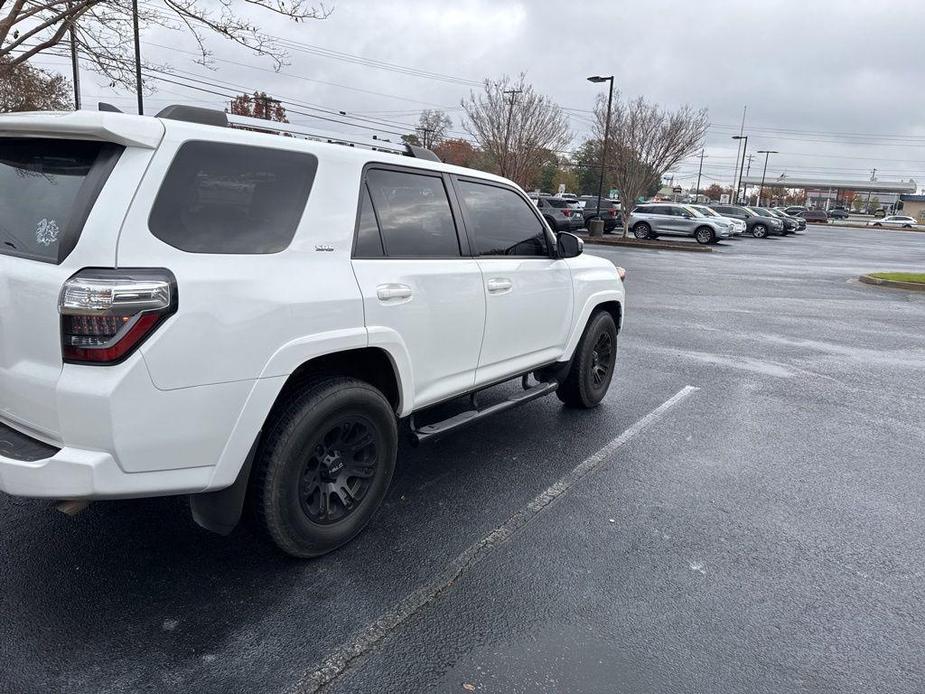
[(743, 513)]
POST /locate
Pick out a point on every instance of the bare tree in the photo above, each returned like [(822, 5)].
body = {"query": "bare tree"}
[(103, 28), (515, 127), (647, 141), (26, 88), (432, 127)]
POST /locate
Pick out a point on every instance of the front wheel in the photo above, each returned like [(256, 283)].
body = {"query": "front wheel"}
[(759, 231), (592, 364), (324, 466), (705, 235), (642, 231), (877, 224)]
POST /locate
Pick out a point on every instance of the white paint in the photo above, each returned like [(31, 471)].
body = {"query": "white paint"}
[(339, 660)]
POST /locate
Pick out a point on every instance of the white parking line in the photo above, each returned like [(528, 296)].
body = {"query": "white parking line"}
[(339, 660)]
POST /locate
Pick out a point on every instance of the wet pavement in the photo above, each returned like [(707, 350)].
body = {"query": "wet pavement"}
[(764, 532)]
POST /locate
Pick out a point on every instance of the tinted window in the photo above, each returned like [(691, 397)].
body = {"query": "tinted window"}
[(502, 222), (46, 190), (414, 214), (558, 202), (369, 241), (221, 198)]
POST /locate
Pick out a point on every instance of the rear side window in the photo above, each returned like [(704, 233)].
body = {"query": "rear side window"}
[(369, 241), (47, 188), (238, 199), (414, 214), (502, 221)]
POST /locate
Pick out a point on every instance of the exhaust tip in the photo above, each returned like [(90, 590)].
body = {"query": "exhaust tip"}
[(71, 507)]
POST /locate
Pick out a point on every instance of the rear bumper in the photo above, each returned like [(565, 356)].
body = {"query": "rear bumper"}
[(73, 473)]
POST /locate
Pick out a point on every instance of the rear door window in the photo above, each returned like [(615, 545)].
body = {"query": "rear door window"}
[(501, 221), (414, 214), (47, 189), (234, 199)]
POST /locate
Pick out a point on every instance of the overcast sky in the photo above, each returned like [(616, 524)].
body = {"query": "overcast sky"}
[(836, 87)]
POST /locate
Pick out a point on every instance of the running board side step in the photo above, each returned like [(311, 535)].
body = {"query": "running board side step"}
[(430, 432)]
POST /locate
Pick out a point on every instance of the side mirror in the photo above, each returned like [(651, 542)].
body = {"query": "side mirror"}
[(568, 245)]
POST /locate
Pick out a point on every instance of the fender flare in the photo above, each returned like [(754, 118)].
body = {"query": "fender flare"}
[(590, 304)]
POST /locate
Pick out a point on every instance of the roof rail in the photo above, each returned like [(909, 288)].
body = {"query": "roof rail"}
[(207, 116)]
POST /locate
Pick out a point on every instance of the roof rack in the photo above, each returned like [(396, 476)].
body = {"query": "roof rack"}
[(208, 116)]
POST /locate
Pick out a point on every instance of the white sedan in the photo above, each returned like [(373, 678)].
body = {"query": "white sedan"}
[(894, 221)]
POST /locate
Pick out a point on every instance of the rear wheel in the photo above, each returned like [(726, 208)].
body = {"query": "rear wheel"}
[(642, 231), (705, 235), (324, 466), (592, 365), (877, 224), (759, 231)]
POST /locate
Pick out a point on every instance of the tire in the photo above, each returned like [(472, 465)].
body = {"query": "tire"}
[(877, 224), (642, 231), (907, 226), (303, 494), (705, 235), (592, 365), (760, 231)]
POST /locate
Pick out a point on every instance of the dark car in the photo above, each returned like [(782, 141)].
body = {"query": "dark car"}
[(794, 210), (758, 225), (610, 211), (791, 224), (838, 213), (815, 216)]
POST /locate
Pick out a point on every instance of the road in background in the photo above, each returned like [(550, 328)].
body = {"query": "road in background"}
[(765, 534)]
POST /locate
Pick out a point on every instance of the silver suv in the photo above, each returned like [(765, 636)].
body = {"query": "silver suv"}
[(652, 220)]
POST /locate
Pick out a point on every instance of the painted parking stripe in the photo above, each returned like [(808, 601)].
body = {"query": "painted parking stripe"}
[(340, 659)]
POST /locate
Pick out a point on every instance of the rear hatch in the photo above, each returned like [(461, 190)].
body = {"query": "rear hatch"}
[(48, 189)]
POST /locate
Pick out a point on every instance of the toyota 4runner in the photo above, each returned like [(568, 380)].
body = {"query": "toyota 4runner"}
[(195, 304)]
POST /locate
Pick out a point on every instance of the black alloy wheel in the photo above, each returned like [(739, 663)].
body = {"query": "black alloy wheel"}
[(337, 474)]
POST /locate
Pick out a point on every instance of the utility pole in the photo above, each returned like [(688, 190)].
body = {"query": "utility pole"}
[(748, 170), (699, 171), (507, 132), (767, 153), (424, 133), (735, 169), (266, 101), (141, 104), (75, 67), (744, 138)]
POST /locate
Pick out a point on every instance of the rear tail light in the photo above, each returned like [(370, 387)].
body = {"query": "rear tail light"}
[(612, 212), (106, 314), (621, 272), (567, 212)]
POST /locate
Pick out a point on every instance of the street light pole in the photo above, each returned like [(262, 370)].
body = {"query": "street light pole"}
[(767, 153), (744, 138), (141, 104), (600, 186)]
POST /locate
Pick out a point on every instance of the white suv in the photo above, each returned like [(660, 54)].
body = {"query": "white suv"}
[(194, 304)]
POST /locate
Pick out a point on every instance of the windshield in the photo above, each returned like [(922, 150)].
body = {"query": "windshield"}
[(42, 195), (559, 202), (706, 211), (760, 211), (693, 210)]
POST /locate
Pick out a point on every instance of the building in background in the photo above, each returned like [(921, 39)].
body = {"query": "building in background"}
[(826, 194), (913, 206)]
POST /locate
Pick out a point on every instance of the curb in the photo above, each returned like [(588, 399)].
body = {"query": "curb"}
[(910, 286), (654, 245)]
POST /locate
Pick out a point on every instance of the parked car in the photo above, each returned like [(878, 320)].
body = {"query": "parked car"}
[(759, 226), (879, 213), (738, 226), (794, 210), (195, 308), (650, 221), (838, 213), (815, 216), (561, 214), (610, 211), (791, 224), (895, 221), (800, 222)]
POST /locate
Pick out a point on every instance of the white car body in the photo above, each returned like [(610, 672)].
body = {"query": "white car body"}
[(899, 221), (180, 414)]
